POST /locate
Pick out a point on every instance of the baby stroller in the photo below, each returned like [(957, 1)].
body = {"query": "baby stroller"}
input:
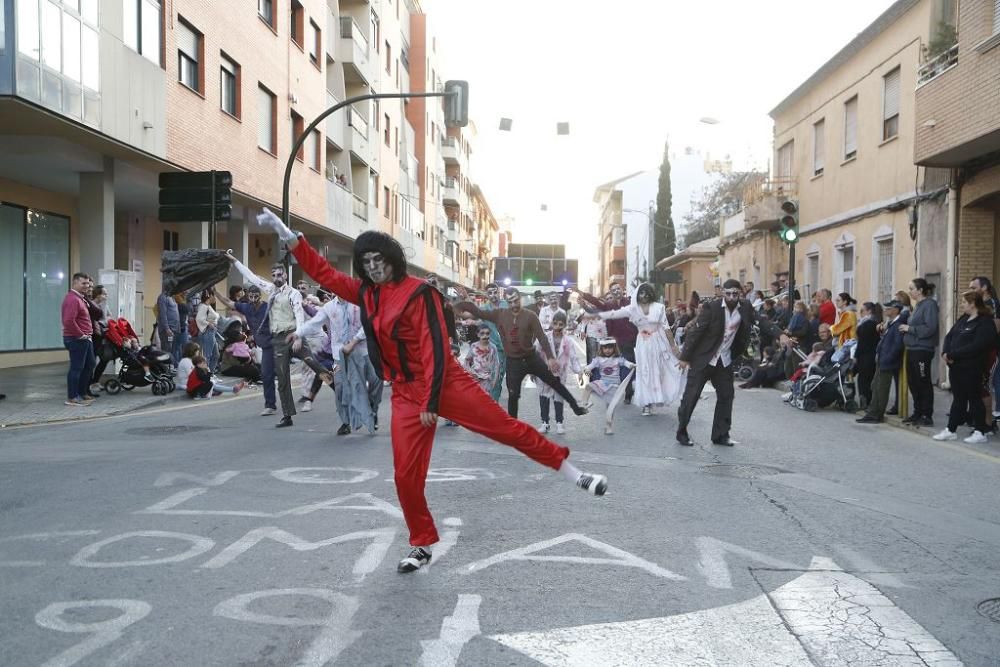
[(135, 361), (826, 384)]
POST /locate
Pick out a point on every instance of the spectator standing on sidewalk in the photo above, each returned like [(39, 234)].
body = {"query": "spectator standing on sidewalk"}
[(78, 331), (208, 326), (984, 286), (846, 326), (864, 354), (888, 359), (827, 309), (920, 336), (183, 335), (966, 350), (168, 323)]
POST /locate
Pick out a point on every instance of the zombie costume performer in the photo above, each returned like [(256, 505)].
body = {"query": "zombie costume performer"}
[(259, 325), (483, 361), (621, 330), (565, 354), (519, 329), (548, 311), (494, 302), (658, 379), (607, 370), (403, 318)]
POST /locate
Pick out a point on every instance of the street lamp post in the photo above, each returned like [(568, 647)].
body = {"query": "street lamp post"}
[(650, 239)]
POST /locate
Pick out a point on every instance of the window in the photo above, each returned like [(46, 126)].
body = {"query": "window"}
[(297, 26), (812, 275), (265, 9), (385, 130), (884, 263), (267, 114), (142, 27), (385, 192), (190, 56), (388, 58), (171, 240), (34, 277), (890, 104), (845, 267), (298, 125), (376, 32), (313, 150), (315, 43), (819, 147), (396, 141), (851, 128), (784, 163), (229, 87)]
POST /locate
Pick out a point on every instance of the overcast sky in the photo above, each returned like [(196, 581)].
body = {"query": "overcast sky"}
[(626, 75)]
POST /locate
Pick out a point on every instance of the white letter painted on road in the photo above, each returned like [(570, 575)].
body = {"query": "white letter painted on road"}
[(369, 560), (456, 631), (618, 557), (331, 641), (104, 632), (199, 545), (41, 537), (712, 563), (373, 504), (171, 478), (315, 475)]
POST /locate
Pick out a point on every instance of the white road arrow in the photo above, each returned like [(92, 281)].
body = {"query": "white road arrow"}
[(825, 617)]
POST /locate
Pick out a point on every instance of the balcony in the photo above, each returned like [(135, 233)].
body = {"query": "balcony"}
[(450, 151), (359, 208), (762, 201), (354, 51), (453, 231), (451, 193), (935, 67), (335, 124), (356, 138)]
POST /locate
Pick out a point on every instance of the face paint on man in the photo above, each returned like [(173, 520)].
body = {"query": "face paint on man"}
[(379, 271), (732, 296), (513, 300), (616, 292), (493, 294), (553, 300), (253, 295), (278, 276)]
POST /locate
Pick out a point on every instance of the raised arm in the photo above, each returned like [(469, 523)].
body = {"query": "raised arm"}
[(267, 288), (473, 309), (314, 325), (591, 299), (539, 334), (317, 268), (619, 314)]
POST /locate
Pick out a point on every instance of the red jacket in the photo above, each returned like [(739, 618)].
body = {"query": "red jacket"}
[(827, 313), (76, 322), (403, 321)]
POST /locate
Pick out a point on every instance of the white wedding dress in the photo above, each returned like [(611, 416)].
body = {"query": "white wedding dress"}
[(658, 378)]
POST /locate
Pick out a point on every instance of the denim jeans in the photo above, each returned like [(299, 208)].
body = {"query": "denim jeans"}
[(209, 347), (81, 366), (180, 340)]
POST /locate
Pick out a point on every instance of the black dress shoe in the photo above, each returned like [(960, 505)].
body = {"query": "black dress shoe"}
[(579, 410), (344, 430), (912, 419), (683, 439), (724, 442), (924, 421), (868, 419), (892, 411), (285, 421)]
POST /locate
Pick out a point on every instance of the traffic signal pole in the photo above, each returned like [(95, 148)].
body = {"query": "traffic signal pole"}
[(791, 274), (319, 119)]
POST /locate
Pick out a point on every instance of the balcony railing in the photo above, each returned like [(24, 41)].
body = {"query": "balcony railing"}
[(360, 208), (349, 29), (758, 189), (357, 120), (937, 66)]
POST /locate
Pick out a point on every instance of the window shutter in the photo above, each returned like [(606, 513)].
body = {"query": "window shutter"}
[(890, 103), (851, 127), (819, 146), (187, 41)]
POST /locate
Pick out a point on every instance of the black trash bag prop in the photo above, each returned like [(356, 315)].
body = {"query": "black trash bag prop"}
[(193, 270)]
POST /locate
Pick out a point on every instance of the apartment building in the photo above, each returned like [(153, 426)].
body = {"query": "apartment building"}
[(98, 97), (844, 142), (486, 240), (958, 129)]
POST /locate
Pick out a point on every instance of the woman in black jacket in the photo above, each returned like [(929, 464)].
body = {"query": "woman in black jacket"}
[(864, 354), (966, 351)]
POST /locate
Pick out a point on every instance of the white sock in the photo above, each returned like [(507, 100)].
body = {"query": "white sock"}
[(570, 471)]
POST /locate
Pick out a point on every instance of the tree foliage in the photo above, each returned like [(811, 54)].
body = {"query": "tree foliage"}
[(719, 200), (663, 222)]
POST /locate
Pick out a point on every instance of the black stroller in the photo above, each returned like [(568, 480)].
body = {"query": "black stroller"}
[(133, 371)]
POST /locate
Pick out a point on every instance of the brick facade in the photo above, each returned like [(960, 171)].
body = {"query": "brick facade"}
[(975, 244)]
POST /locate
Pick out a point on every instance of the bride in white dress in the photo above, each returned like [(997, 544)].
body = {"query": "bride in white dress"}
[(658, 380)]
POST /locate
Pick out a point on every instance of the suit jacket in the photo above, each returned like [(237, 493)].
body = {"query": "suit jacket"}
[(703, 339)]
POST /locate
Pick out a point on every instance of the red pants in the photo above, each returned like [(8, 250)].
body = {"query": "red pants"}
[(466, 404)]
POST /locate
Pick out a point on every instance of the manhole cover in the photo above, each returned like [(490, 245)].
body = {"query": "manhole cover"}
[(154, 431), (990, 609), (742, 470)]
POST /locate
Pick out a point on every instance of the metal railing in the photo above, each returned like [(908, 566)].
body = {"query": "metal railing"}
[(757, 189), (937, 66), (360, 208)]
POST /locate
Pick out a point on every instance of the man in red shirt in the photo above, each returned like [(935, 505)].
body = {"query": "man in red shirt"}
[(78, 332), (403, 320), (827, 311)]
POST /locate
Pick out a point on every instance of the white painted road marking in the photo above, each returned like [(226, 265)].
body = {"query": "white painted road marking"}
[(828, 618), (456, 631), (104, 632)]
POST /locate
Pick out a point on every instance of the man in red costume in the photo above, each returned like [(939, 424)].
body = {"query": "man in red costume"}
[(403, 319)]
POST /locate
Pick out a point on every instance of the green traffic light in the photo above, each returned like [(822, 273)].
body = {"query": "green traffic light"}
[(791, 236), (529, 282)]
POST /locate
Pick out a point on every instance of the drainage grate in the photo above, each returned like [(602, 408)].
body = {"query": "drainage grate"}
[(742, 470), (163, 431), (990, 609)]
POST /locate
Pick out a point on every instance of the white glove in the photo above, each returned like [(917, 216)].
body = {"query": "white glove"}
[(271, 221)]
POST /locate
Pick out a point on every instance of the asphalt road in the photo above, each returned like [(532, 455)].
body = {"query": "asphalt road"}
[(203, 536)]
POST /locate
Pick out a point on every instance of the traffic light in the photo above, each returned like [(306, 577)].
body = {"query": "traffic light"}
[(456, 103), (789, 222), (196, 196)]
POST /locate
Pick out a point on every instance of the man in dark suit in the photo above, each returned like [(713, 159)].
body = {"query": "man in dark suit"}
[(719, 337)]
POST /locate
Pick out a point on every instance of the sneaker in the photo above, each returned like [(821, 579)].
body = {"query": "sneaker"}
[(977, 438), (543, 427), (304, 399), (75, 402), (608, 429), (267, 412), (786, 397), (344, 430), (284, 422), (646, 411), (580, 410), (946, 435), (417, 558), (595, 485), (560, 429), (307, 406)]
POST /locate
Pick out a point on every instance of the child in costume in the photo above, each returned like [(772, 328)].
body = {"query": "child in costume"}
[(606, 379), (564, 351), (483, 359)]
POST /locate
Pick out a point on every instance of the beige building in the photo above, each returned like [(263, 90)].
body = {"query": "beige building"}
[(697, 267), (844, 142), (98, 98), (751, 255), (958, 129)]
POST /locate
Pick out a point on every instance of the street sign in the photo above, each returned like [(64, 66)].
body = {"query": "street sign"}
[(196, 196)]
